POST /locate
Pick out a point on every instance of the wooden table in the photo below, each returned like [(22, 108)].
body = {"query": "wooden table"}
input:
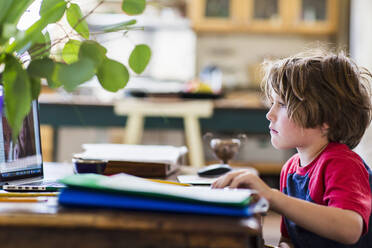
[(47, 224)]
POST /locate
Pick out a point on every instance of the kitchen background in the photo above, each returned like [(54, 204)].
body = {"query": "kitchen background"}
[(235, 36)]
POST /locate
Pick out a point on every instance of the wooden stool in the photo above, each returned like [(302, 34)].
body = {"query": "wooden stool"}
[(190, 111)]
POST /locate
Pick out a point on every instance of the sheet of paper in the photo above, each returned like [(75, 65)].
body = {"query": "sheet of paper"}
[(135, 153), (135, 184), (196, 180)]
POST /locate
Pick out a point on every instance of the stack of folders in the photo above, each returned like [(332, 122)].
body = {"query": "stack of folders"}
[(123, 191)]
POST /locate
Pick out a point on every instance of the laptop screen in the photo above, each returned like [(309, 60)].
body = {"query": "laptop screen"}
[(21, 160)]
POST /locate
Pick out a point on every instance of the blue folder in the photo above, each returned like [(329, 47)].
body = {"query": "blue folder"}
[(88, 198)]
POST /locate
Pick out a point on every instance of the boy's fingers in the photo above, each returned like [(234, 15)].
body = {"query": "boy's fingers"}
[(236, 182), (241, 179), (225, 180), (216, 183), (222, 182)]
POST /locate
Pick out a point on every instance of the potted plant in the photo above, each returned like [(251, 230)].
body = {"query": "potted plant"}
[(26, 59)]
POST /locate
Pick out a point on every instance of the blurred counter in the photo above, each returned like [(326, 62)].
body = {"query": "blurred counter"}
[(237, 112), (235, 99)]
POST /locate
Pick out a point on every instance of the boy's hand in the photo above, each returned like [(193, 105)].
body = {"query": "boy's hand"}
[(285, 242), (244, 179), (284, 245)]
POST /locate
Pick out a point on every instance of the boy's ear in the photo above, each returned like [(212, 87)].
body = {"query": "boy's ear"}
[(324, 128)]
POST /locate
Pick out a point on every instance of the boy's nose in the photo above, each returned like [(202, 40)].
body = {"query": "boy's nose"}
[(269, 114)]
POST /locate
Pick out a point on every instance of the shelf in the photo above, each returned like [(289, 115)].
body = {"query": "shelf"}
[(318, 17)]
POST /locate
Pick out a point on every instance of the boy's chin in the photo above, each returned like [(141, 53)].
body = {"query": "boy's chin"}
[(280, 146)]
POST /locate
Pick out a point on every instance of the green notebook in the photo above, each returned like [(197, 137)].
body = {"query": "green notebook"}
[(127, 184)]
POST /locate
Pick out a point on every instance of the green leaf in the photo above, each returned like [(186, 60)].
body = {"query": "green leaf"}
[(75, 19), (112, 75), (35, 87), (50, 68), (17, 94), (39, 38), (16, 9), (70, 76), (48, 45), (53, 84), (43, 68), (4, 6), (41, 46), (92, 50), (47, 38), (139, 58), (70, 51), (133, 7), (57, 14), (9, 30), (34, 30)]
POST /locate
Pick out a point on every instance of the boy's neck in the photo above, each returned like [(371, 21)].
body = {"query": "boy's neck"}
[(308, 154)]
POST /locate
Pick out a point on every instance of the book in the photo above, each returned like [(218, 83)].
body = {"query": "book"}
[(138, 160), (129, 192), (141, 169)]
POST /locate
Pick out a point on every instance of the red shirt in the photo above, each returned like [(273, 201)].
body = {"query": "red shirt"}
[(337, 177)]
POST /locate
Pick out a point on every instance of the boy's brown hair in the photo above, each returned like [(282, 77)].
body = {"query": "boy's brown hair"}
[(320, 87)]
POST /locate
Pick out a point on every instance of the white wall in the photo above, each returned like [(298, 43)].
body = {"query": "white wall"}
[(361, 52)]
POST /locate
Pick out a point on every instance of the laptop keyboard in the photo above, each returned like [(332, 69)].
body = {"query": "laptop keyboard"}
[(46, 184)]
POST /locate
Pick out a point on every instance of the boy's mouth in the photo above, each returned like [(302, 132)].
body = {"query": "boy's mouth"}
[(273, 130)]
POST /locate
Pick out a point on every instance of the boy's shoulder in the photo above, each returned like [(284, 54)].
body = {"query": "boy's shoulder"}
[(291, 165), (334, 154), (337, 151), (337, 157)]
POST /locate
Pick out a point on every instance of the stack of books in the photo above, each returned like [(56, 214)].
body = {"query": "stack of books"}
[(137, 160), (123, 191)]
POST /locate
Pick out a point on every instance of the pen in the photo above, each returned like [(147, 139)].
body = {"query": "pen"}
[(168, 182), (16, 194), (22, 199)]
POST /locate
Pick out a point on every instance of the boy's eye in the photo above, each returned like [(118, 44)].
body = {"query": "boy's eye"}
[(282, 105)]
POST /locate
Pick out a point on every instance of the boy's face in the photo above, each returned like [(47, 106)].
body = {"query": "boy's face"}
[(284, 132)]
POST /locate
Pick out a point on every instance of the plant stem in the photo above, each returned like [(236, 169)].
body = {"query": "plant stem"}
[(89, 13)]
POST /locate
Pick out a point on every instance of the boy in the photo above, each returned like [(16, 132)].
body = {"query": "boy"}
[(320, 105)]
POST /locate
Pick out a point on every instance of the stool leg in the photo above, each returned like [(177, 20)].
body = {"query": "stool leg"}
[(194, 141), (134, 129)]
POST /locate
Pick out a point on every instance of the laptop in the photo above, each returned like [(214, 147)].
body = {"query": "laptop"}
[(21, 163)]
